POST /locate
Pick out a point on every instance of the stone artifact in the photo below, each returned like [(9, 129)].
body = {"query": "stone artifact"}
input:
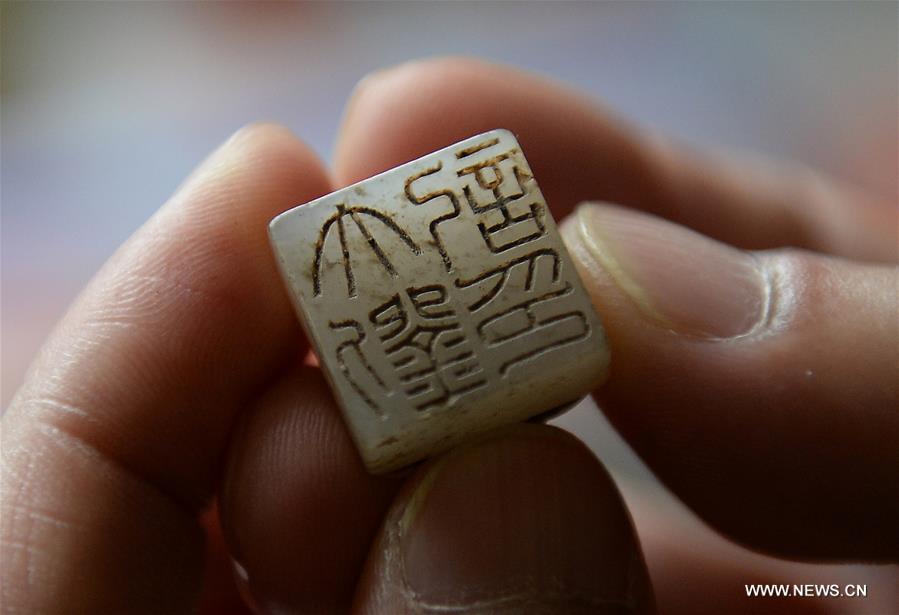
[(440, 300)]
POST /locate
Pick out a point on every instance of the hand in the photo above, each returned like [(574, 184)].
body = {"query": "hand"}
[(760, 385)]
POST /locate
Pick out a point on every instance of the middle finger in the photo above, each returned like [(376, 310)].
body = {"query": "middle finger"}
[(579, 152)]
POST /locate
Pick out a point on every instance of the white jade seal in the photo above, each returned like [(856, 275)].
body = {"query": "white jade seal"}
[(440, 300)]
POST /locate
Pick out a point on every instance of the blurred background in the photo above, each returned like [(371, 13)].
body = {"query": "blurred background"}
[(105, 107)]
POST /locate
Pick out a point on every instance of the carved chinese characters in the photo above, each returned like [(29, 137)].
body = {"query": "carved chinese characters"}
[(440, 300)]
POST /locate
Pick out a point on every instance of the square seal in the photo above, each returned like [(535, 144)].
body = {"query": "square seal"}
[(440, 300)]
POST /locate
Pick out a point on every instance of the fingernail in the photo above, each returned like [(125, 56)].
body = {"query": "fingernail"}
[(526, 523), (677, 277)]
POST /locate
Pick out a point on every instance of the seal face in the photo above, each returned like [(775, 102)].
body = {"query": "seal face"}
[(440, 300)]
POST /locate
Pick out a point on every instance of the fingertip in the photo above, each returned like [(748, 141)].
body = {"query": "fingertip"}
[(372, 107), (526, 520), (401, 113), (263, 148), (781, 344), (298, 507), (273, 142)]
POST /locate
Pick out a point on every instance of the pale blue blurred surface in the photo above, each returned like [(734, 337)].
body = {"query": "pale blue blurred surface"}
[(106, 107)]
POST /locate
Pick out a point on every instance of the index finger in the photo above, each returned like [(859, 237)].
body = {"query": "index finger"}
[(113, 443)]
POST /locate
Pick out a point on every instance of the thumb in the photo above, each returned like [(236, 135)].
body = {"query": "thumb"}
[(527, 521), (760, 386)]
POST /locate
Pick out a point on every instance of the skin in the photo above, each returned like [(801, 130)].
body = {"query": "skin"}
[(177, 381)]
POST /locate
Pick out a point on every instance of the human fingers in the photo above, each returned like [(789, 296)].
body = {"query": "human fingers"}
[(697, 571), (221, 593), (760, 386), (580, 151), (527, 521), (112, 446), (298, 508)]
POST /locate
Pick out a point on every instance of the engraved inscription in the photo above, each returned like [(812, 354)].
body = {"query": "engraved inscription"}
[(534, 280), (514, 306), (426, 344), (356, 216), (451, 200), (440, 299), (498, 194), (474, 149), (356, 366)]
